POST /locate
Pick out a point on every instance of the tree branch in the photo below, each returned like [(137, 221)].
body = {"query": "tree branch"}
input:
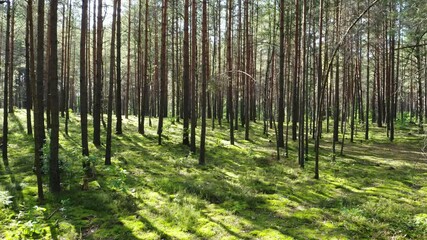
[(340, 44), (411, 46)]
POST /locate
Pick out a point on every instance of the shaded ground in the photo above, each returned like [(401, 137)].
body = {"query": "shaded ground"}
[(377, 190)]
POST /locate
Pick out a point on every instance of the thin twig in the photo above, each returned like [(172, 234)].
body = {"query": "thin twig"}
[(53, 213)]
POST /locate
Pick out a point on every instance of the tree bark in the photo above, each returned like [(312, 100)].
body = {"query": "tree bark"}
[(163, 72), (54, 178), (97, 101), (83, 81), (281, 107), (193, 75), (111, 86), (126, 104), (5, 88), (230, 72), (38, 103), (205, 73), (186, 76), (28, 88), (119, 71)]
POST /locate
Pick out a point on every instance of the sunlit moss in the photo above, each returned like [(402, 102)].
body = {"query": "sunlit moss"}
[(377, 189), (270, 234)]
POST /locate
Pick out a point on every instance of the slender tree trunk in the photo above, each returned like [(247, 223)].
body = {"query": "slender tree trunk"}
[(288, 85), (266, 96), (295, 92), (214, 94), (67, 78), (420, 88), (174, 55), (163, 72), (63, 62), (11, 59), (219, 95), (38, 94), (378, 87), (193, 75), (247, 76), (111, 86), (145, 95), (88, 65), (336, 87), (155, 94), (54, 179), (97, 103), (238, 66), (119, 71), (83, 81), (205, 73), (138, 83), (94, 53), (5, 90), (230, 72), (28, 88), (280, 107), (126, 105), (178, 102), (301, 112), (367, 79), (186, 76)]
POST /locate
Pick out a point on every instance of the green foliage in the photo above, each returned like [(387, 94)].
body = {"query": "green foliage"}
[(118, 175), (5, 199), (30, 222), (419, 222)]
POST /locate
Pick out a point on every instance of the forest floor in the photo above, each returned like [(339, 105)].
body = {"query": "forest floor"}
[(376, 190)]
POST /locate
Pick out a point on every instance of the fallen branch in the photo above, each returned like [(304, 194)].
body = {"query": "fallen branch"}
[(53, 213)]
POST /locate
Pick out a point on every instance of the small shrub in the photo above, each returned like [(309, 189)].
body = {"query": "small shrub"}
[(5, 199)]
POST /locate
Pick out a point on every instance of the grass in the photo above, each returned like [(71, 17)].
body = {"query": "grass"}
[(376, 190)]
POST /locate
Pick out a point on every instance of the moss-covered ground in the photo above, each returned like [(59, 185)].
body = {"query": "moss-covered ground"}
[(376, 190)]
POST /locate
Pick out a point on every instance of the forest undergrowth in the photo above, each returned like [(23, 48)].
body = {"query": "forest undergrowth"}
[(375, 190)]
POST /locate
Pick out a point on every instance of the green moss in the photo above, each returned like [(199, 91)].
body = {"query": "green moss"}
[(67, 230), (376, 190), (208, 230), (270, 234)]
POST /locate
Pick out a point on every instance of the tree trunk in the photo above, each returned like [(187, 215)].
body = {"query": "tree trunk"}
[(118, 71), (205, 73), (301, 113), (54, 179), (5, 89), (163, 72), (38, 103), (186, 76), (97, 102), (230, 72), (247, 76), (193, 75), (367, 80), (420, 88), (145, 95), (111, 86), (280, 107), (295, 92), (140, 102), (67, 75), (126, 105), (28, 88), (11, 58), (83, 82)]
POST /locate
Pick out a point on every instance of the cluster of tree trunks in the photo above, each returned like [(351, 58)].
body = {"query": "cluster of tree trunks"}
[(297, 66)]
